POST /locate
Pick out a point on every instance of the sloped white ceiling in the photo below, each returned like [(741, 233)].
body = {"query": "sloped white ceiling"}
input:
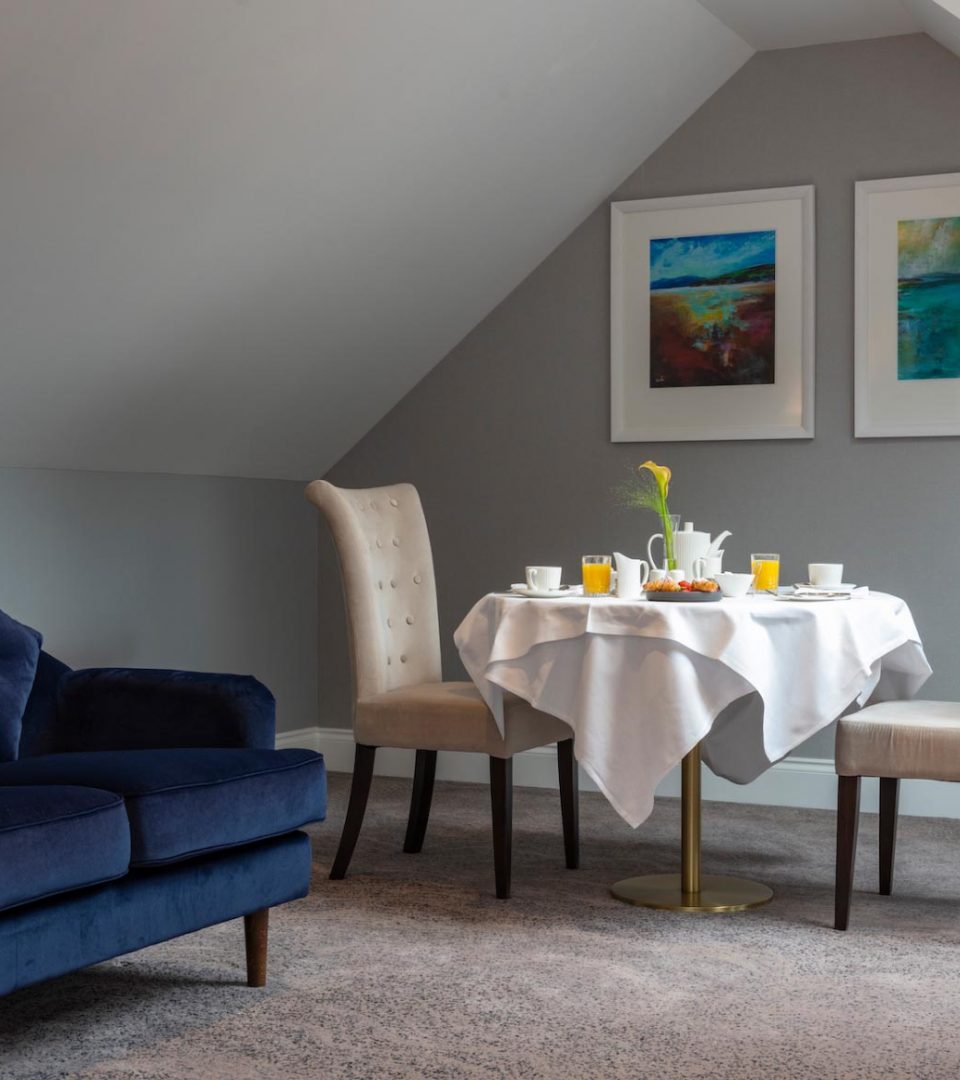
[(940, 19), (786, 24), (236, 232)]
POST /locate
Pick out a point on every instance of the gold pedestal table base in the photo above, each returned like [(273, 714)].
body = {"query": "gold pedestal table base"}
[(689, 891)]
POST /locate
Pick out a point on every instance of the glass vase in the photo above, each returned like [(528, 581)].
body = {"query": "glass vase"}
[(671, 524)]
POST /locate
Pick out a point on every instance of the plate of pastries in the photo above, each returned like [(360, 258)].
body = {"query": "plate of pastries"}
[(699, 591)]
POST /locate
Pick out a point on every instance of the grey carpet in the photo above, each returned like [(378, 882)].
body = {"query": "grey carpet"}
[(410, 967)]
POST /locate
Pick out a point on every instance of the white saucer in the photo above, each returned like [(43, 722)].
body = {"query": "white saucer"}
[(805, 586), (540, 594), (813, 597)]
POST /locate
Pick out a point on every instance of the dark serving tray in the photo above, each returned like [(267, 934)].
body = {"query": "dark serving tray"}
[(684, 597)]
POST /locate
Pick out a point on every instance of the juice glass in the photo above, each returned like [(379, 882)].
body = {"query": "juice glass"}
[(596, 575), (766, 572)]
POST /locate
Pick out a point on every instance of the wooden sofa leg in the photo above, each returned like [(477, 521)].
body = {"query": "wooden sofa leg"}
[(569, 802), (255, 932), (501, 802), (889, 800), (359, 790), (423, 776), (848, 822)]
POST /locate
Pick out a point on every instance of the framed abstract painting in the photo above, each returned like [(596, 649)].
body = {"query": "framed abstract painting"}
[(712, 316), (908, 306)]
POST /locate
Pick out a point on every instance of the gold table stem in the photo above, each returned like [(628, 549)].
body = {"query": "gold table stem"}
[(690, 823), (691, 891)]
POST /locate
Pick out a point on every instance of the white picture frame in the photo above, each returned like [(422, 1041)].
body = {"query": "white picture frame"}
[(780, 409), (887, 404)]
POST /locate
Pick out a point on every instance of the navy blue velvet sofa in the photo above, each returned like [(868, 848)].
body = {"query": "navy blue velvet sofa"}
[(139, 805)]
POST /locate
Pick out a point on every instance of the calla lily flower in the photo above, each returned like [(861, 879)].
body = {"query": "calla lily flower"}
[(647, 490), (661, 474)]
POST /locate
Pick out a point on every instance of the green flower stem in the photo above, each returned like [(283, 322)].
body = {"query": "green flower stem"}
[(669, 555), (668, 551)]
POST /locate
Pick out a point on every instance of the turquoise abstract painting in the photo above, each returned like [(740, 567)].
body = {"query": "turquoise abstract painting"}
[(928, 298)]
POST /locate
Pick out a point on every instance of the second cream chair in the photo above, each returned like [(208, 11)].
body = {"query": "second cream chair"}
[(894, 740), (399, 699)]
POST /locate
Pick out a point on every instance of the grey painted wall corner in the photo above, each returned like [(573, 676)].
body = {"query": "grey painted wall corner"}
[(508, 438), (207, 573)]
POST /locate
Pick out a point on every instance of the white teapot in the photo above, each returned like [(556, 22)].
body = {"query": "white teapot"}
[(689, 547)]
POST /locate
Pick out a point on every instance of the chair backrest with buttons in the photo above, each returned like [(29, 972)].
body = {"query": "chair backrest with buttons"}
[(389, 587)]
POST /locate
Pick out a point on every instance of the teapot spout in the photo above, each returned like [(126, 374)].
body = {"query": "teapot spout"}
[(715, 546)]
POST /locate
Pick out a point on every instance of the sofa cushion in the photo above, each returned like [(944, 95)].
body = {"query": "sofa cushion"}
[(19, 650), (185, 802), (40, 728), (53, 839)]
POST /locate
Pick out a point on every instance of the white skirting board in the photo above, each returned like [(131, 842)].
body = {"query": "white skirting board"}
[(796, 781)]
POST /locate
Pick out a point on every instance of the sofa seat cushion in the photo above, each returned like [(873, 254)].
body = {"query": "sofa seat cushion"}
[(183, 803), (54, 839)]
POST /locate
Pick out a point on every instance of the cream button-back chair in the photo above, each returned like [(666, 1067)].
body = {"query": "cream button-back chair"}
[(896, 740), (399, 699)]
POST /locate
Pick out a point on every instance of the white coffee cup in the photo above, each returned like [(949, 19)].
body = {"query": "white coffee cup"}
[(824, 574), (708, 566), (543, 578), (733, 585), (676, 576)]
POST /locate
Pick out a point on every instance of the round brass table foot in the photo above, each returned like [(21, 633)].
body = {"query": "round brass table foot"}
[(717, 893)]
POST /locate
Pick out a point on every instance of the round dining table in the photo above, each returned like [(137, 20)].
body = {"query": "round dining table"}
[(646, 685)]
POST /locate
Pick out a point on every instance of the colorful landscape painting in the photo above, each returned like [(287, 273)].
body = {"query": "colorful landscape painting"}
[(712, 301), (928, 298)]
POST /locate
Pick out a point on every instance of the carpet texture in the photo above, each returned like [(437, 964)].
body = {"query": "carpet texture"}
[(411, 968)]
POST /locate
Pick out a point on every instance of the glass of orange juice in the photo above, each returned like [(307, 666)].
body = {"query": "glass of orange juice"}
[(596, 575), (766, 572)]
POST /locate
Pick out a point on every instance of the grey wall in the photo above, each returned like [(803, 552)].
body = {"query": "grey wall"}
[(166, 571), (508, 441)]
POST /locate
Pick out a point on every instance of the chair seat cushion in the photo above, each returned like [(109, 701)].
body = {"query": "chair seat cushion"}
[(453, 716), (905, 739), (186, 802), (57, 838)]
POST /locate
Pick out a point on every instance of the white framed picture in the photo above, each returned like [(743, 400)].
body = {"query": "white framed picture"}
[(908, 306), (712, 316)]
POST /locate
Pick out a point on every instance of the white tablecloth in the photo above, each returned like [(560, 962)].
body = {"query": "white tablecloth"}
[(641, 683)]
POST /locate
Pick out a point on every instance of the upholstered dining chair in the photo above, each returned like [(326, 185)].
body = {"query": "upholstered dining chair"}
[(896, 740), (400, 699)]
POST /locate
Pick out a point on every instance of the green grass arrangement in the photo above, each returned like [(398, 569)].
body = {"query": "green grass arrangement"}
[(647, 489)]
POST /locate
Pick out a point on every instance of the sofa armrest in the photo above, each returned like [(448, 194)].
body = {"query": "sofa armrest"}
[(144, 709)]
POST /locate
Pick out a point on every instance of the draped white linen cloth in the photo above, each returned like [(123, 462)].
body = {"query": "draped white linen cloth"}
[(641, 683)]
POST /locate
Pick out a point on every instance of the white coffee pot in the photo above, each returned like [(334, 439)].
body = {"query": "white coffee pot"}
[(689, 546), (632, 575)]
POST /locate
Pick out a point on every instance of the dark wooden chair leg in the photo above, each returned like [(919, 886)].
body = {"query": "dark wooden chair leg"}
[(501, 801), (569, 802), (359, 790), (255, 930), (848, 822), (889, 804), (420, 799)]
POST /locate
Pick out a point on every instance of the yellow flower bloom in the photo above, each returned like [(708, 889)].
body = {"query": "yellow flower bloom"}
[(661, 474)]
